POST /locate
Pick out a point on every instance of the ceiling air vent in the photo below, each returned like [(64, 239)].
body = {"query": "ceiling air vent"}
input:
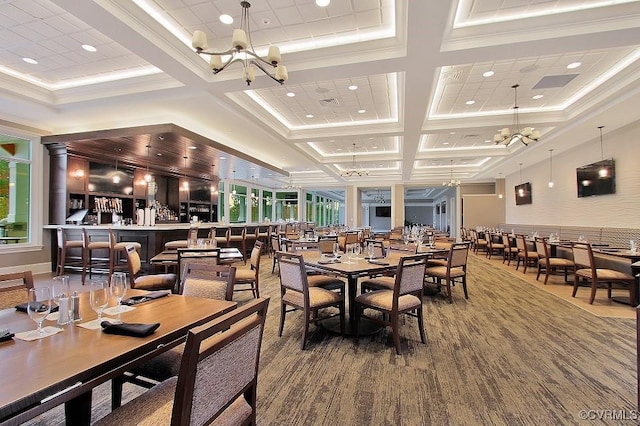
[(552, 81), (329, 102), (452, 76)]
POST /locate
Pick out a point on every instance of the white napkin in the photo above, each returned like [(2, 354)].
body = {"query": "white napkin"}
[(95, 325), (31, 335), (114, 310)]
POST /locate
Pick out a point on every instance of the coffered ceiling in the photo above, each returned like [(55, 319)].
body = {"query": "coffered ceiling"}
[(412, 91)]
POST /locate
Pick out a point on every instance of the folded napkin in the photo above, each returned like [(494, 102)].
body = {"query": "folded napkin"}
[(29, 336), (377, 262), (326, 262), (5, 335), (22, 307), (146, 297), (129, 329)]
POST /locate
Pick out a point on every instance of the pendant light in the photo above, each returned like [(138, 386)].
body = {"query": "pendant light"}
[(185, 182), (603, 172), (521, 189), (213, 185), (551, 168), (116, 176), (147, 177)]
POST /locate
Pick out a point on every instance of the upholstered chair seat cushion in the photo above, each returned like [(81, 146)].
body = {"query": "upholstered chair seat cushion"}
[(97, 245), (557, 262), (317, 297), (245, 274), (123, 245), (324, 281), (436, 262), (383, 299), (73, 243), (174, 245), (605, 274), (441, 272), (154, 408), (155, 282), (380, 283)]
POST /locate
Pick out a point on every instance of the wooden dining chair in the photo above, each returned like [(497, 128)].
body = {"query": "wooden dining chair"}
[(14, 288), (587, 272), (549, 264), (217, 378), (146, 282), (525, 254), (455, 270), (404, 299), (248, 278), (187, 256), (297, 295)]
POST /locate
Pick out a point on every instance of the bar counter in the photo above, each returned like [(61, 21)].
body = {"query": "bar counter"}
[(151, 238)]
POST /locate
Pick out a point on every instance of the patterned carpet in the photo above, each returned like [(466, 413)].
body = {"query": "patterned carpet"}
[(509, 355)]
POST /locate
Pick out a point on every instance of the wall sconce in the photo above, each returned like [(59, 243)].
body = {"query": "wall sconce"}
[(78, 173)]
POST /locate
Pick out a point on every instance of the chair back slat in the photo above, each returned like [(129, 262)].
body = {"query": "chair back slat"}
[(292, 272), (208, 281), (582, 255), (541, 247), (134, 263), (458, 254), (410, 275), (256, 252), (521, 243)]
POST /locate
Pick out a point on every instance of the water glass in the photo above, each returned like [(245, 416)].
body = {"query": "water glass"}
[(370, 251), (336, 250), (61, 294), (99, 297), (118, 289), (39, 306), (633, 247), (357, 249)]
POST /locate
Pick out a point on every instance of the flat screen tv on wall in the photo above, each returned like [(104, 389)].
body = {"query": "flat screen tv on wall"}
[(596, 179), (383, 211), (523, 193)]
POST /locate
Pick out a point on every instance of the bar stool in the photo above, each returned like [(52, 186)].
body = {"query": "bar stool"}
[(176, 244), (238, 235), (63, 246), (116, 250), (88, 247)]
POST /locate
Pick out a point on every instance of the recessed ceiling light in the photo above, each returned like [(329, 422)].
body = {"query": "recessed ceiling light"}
[(362, 111), (374, 147), (538, 97), (89, 48), (488, 141), (223, 158), (353, 87), (290, 94), (323, 3), (338, 149), (573, 65), (226, 19), (470, 102), (159, 154), (193, 147), (452, 133), (488, 73), (309, 115), (30, 61), (445, 143)]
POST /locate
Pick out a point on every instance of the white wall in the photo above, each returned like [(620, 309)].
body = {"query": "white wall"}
[(560, 205)]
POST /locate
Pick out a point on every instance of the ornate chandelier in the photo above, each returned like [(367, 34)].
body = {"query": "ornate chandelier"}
[(354, 170), (526, 135), (379, 198), (242, 51), (233, 196), (451, 182), (290, 185)]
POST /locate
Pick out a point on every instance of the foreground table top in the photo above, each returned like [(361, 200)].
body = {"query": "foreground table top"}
[(76, 360)]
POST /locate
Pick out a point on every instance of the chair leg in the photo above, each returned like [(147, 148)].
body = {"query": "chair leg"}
[(546, 276), (421, 325), (464, 287), (342, 319), (539, 271), (282, 314), (358, 311), (449, 295), (305, 330), (576, 281), (395, 331), (594, 287), (84, 265)]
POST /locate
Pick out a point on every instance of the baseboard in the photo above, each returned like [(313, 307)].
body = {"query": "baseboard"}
[(36, 268)]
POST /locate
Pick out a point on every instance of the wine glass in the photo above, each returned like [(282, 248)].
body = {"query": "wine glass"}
[(405, 239), (118, 289), (61, 293), (39, 306), (336, 250), (370, 251), (357, 249), (99, 297)]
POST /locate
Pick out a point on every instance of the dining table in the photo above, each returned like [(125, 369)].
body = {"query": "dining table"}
[(169, 258), (65, 367), (353, 268)]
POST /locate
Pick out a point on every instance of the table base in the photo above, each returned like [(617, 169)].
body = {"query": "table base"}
[(622, 299), (367, 327)]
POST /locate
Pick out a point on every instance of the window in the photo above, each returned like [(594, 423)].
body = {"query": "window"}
[(16, 189), (267, 205)]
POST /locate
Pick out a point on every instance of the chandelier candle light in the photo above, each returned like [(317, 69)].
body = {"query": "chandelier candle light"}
[(242, 51), (354, 171), (526, 135)]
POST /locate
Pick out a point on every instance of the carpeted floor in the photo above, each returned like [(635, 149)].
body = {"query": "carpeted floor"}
[(509, 355)]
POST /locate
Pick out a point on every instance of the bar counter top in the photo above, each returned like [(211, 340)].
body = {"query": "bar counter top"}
[(157, 227)]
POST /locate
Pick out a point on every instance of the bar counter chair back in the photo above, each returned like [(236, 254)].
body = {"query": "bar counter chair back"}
[(64, 245), (90, 246), (118, 252), (192, 235)]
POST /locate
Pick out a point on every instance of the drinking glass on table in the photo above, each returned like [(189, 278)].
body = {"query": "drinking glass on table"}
[(370, 251), (99, 297), (39, 306), (357, 249), (336, 250), (405, 239), (118, 289), (61, 294)]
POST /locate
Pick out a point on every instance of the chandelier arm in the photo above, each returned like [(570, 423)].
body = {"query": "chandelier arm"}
[(267, 73)]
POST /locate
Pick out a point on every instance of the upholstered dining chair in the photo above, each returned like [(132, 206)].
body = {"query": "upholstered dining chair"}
[(586, 271), (146, 282), (326, 242), (494, 245), (89, 246), (525, 254), (404, 299), (297, 295), (15, 288), (510, 250), (275, 247), (548, 263), (187, 256), (64, 245), (192, 234), (117, 250), (217, 378), (249, 278), (456, 269), (208, 281), (477, 243)]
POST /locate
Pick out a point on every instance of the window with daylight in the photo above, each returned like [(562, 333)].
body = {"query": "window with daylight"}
[(15, 189)]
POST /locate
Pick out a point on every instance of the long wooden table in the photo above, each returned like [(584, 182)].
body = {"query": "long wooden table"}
[(64, 368)]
